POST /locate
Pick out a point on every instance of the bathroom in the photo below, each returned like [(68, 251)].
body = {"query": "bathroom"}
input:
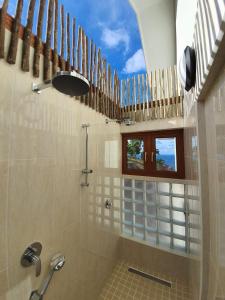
[(83, 215)]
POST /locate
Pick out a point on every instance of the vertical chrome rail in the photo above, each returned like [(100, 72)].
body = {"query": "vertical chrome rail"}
[(86, 171)]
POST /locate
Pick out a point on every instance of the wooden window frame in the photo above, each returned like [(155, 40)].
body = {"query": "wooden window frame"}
[(150, 153)]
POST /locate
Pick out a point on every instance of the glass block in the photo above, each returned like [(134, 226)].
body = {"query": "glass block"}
[(128, 183), (98, 200), (107, 223), (194, 219), (179, 230), (150, 197), (178, 202), (179, 244), (140, 220), (194, 233), (128, 205), (139, 184), (116, 214), (127, 229), (116, 192), (178, 216), (164, 227), (139, 196), (116, 181), (106, 180), (194, 248), (165, 213), (151, 210), (139, 233), (107, 191), (164, 200), (151, 223), (150, 187), (163, 187), (128, 194), (194, 204), (178, 188), (151, 237), (164, 240), (128, 218), (116, 204), (139, 207)]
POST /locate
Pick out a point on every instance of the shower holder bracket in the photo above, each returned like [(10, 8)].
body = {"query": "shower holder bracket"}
[(87, 171)]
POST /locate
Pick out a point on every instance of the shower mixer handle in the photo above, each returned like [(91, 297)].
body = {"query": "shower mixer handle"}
[(31, 257)]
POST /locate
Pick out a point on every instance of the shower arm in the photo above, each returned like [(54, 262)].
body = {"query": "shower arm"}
[(38, 88)]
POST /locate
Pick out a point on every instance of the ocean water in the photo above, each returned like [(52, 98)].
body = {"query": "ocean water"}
[(169, 160)]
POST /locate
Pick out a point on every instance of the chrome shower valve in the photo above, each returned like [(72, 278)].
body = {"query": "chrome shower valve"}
[(31, 256)]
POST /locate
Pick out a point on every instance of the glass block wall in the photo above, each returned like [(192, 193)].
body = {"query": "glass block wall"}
[(166, 214)]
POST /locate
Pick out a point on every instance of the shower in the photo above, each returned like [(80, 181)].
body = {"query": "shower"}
[(56, 264), (68, 83)]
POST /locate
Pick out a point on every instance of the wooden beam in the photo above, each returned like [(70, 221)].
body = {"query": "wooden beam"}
[(47, 73), (55, 52), (11, 59), (3, 14), (27, 38), (38, 40)]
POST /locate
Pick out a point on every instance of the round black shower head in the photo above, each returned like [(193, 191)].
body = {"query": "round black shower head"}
[(70, 83)]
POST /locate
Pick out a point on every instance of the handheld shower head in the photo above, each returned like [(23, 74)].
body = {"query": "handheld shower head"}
[(57, 262)]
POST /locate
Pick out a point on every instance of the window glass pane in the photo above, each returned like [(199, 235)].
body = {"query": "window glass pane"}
[(166, 156), (135, 154)]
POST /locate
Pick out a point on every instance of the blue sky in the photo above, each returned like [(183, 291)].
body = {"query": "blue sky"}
[(111, 24), (166, 146)]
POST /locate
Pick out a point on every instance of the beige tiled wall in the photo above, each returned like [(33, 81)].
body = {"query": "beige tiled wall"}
[(41, 157), (214, 115), (192, 174)]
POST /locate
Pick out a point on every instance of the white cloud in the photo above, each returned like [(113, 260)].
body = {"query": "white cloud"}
[(135, 63), (113, 38)]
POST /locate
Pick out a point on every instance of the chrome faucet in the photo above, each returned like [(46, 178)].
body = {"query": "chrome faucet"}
[(56, 264)]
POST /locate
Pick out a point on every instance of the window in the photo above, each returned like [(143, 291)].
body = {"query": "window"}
[(156, 153)]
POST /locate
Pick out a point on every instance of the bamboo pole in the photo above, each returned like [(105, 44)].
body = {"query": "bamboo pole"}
[(176, 92), (98, 80), (3, 13), (68, 62), (147, 94), (74, 44), (87, 66), (83, 53), (27, 38), (38, 41), (87, 73), (143, 96), (91, 73), (11, 59), (62, 60), (94, 77), (151, 93), (78, 50), (47, 75), (55, 52)]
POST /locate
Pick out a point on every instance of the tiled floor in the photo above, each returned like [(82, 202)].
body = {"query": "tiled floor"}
[(123, 285)]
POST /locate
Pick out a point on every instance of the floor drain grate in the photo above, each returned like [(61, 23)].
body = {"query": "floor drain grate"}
[(151, 277)]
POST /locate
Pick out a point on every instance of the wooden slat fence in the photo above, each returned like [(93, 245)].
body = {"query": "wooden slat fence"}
[(156, 95), (140, 97)]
